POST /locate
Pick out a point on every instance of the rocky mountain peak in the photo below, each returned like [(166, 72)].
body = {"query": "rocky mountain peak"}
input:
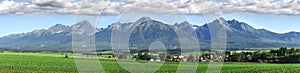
[(186, 26), (82, 23), (183, 24), (144, 19), (59, 28), (293, 33), (221, 21), (241, 26)]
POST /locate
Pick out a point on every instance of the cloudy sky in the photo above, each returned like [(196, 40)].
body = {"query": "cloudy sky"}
[(17, 16)]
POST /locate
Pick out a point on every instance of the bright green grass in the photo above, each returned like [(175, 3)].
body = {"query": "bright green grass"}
[(56, 63)]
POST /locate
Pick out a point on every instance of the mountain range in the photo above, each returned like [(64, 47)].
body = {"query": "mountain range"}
[(147, 30)]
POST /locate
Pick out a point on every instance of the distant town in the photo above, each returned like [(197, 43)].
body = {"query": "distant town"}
[(276, 55)]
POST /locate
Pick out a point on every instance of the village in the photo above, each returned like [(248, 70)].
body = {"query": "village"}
[(159, 57), (240, 55)]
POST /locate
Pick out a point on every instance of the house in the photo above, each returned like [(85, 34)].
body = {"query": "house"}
[(175, 58), (184, 59), (157, 59), (151, 60), (197, 58), (205, 58), (240, 51)]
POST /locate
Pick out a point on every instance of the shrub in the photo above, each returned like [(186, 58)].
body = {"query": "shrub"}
[(265, 61), (260, 61), (66, 56)]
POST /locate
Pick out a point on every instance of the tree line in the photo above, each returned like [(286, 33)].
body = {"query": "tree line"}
[(282, 55)]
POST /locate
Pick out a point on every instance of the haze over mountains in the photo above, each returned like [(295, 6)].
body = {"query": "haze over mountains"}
[(239, 35)]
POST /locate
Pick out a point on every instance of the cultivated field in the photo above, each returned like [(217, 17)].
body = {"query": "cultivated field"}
[(56, 63)]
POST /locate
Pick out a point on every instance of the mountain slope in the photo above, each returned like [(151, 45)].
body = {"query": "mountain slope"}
[(147, 30)]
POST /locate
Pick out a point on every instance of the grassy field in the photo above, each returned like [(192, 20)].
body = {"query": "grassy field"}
[(56, 63)]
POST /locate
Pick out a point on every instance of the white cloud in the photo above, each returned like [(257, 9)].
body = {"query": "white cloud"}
[(183, 6), (261, 6)]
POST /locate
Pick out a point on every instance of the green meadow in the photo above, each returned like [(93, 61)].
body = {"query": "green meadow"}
[(57, 63)]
